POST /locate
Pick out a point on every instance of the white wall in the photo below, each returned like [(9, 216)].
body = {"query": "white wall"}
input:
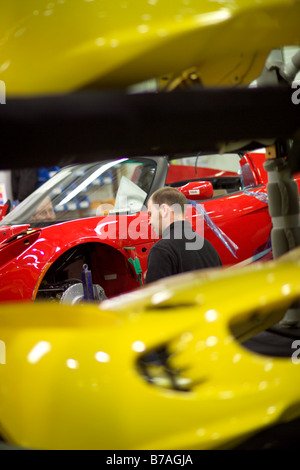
[(5, 179)]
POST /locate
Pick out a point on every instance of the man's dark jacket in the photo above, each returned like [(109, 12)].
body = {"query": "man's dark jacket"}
[(180, 250)]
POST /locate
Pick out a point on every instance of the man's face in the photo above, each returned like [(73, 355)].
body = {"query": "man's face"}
[(44, 212), (155, 217)]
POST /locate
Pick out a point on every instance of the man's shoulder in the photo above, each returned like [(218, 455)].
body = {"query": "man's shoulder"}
[(162, 243)]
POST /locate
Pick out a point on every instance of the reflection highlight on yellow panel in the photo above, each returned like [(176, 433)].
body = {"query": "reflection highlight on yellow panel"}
[(151, 371), (64, 45)]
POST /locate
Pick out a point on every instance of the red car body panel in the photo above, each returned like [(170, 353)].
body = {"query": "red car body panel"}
[(26, 256)]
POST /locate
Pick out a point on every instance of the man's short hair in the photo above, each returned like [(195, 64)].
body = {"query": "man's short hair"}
[(170, 196)]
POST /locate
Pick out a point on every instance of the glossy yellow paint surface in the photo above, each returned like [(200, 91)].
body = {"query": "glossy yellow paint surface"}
[(63, 45), (69, 377)]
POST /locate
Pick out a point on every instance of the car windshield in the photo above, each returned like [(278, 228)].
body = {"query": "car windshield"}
[(87, 190)]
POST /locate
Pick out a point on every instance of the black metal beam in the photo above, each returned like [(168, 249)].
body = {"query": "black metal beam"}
[(89, 126)]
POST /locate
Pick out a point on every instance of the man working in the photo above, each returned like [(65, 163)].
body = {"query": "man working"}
[(180, 249)]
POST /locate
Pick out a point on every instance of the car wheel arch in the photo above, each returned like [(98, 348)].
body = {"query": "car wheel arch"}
[(108, 265)]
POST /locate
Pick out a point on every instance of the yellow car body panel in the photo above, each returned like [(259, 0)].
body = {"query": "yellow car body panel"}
[(62, 46), (70, 376)]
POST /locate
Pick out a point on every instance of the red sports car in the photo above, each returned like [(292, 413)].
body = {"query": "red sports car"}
[(88, 225)]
